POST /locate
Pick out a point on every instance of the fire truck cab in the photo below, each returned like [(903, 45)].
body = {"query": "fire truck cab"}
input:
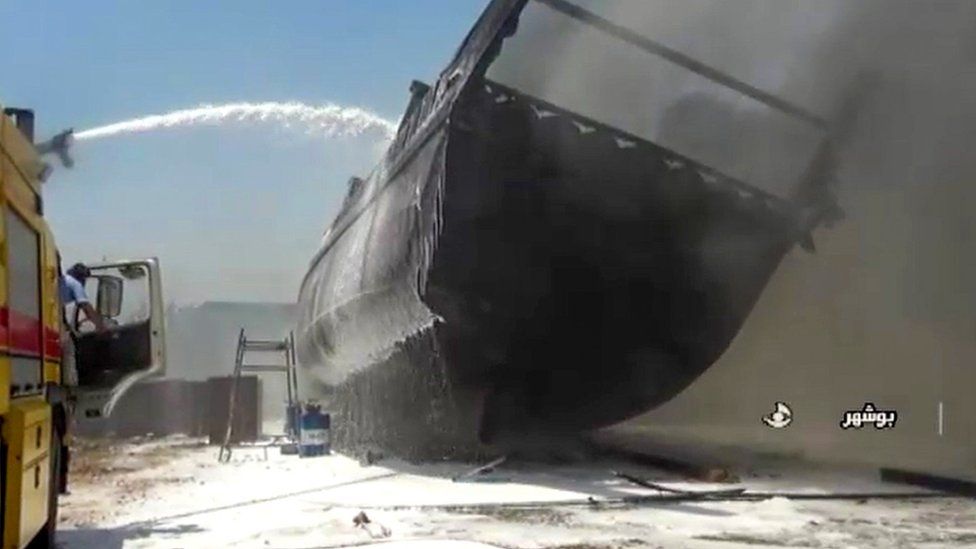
[(36, 406)]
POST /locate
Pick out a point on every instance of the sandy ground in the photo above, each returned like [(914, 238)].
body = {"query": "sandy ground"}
[(172, 492)]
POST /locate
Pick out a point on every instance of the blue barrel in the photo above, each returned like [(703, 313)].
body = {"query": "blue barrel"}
[(315, 437)]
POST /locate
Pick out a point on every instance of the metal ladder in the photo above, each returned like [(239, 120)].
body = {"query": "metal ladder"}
[(244, 345)]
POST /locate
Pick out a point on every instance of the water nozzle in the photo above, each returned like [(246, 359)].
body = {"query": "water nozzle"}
[(59, 145)]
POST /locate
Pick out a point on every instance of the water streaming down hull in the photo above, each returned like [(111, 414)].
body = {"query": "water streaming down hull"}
[(519, 268)]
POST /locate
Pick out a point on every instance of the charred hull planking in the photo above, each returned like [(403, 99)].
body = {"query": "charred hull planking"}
[(584, 276), (581, 277), (515, 272)]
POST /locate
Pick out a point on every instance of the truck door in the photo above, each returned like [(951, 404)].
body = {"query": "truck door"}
[(128, 295)]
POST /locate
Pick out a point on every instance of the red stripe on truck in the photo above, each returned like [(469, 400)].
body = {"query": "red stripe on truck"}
[(21, 334), (24, 333)]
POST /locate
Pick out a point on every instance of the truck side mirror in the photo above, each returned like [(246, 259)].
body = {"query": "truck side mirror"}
[(109, 296)]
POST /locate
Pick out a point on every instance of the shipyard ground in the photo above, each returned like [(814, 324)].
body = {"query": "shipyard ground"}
[(172, 492)]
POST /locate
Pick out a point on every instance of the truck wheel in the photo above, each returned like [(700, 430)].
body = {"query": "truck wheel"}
[(46, 538)]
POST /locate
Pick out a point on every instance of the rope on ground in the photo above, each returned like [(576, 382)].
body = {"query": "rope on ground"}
[(395, 541), (664, 499), (258, 501)]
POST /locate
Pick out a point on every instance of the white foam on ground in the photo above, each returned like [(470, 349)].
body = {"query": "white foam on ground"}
[(172, 492)]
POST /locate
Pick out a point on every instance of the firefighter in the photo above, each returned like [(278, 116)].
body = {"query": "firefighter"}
[(72, 290)]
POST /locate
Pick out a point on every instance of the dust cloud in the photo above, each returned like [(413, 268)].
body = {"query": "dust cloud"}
[(202, 342)]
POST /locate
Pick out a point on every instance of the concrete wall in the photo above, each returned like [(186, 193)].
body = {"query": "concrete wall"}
[(160, 407)]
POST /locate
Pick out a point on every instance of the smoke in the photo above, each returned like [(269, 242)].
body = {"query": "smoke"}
[(327, 120), (887, 307), (809, 53)]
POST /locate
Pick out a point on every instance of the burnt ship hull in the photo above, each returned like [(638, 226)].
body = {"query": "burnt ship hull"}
[(516, 272)]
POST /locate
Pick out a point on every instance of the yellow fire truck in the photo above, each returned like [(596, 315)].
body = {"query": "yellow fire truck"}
[(36, 408)]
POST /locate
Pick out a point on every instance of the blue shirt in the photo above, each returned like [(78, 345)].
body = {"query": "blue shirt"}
[(72, 291)]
